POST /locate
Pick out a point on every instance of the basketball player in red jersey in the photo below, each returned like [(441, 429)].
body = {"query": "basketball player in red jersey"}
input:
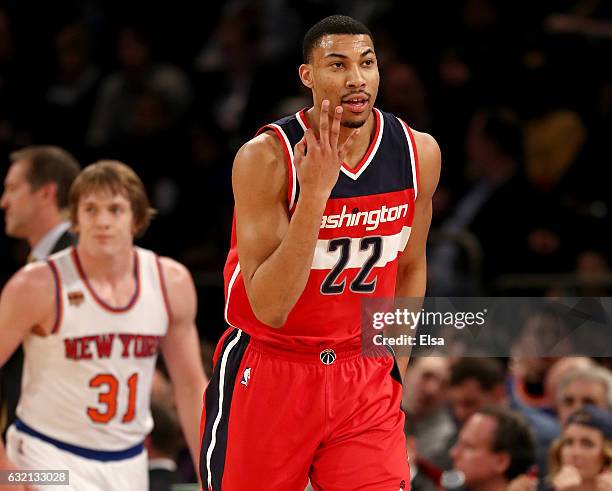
[(326, 201)]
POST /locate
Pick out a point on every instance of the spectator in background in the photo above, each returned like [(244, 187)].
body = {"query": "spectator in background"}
[(543, 340), (425, 387), (403, 93), (587, 18), (559, 370), (586, 386), (139, 73), (228, 62), (494, 145), (162, 446), (495, 446), (69, 100), (479, 382), (593, 274), (424, 475), (35, 198), (582, 458), (475, 383)]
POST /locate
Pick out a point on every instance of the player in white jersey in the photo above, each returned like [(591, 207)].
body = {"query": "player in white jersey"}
[(92, 319)]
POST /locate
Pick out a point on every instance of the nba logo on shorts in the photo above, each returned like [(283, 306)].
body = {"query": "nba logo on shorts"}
[(246, 376)]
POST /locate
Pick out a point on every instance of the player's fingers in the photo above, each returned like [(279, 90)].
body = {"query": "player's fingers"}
[(299, 150), (324, 123), (335, 129), (348, 143), (311, 141)]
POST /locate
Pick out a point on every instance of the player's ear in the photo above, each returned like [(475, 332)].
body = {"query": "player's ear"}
[(306, 75), (49, 191)]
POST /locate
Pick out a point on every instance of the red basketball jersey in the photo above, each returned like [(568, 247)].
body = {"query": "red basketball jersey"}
[(365, 226)]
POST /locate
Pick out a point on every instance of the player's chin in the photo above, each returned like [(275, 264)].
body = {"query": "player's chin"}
[(105, 250), (354, 122)]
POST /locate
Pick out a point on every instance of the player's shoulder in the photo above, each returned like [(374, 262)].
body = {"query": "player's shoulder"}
[(429, 162), (263, 148), (30, 282), (175, 273), (427, 146), (261, 161)]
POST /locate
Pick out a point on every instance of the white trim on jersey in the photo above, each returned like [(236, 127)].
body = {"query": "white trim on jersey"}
[(391, 246), (229, 291), (213, 440), (298, 116), (293, 172), (412, 157), (355, 175)]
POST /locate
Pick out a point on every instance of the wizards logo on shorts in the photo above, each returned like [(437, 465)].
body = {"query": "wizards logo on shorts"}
[(246, 376)]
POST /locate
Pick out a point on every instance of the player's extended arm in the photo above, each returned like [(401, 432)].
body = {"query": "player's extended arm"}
[(276, 254), (181, 350), (412, 265), (27, 303)]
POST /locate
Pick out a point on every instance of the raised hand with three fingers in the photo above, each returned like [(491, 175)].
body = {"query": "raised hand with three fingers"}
[(318, 162)]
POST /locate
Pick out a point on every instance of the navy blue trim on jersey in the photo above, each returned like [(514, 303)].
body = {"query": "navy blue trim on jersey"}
[(88, 453), (234, 351), (395, 373), (389, 171)]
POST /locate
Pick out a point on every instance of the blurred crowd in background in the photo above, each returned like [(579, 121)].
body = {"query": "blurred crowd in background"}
[(517, 94)]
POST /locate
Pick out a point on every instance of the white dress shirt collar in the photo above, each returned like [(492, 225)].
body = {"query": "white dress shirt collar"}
[(45, 245)]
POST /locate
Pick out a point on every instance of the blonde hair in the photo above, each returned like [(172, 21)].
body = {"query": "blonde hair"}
[(118, 178), (554, 456)]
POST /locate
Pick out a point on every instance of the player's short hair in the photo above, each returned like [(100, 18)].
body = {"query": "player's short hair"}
[(488, 372), (334, 24), (513, 436), (118, 178), (49, 164)]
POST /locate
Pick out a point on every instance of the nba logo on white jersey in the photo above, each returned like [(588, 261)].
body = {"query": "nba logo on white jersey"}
[(246, 376)]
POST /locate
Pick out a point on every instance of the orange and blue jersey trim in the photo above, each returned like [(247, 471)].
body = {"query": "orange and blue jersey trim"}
[(58, 297), (92, 292)]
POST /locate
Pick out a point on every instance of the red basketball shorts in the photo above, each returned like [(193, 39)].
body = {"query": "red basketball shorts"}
[(273, 418)]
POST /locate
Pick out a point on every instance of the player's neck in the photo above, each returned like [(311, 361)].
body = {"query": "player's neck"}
[(361, 143), (107, 268)]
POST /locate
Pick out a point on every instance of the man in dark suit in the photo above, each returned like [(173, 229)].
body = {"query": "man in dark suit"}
[(34, 201)]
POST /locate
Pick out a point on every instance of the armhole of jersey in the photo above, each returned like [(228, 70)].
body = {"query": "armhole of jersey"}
[(230, 286), (414, 156), (164, 290), (58, 297), (291, 173)]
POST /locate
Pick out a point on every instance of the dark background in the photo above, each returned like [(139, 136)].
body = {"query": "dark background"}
[(518, 95)]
